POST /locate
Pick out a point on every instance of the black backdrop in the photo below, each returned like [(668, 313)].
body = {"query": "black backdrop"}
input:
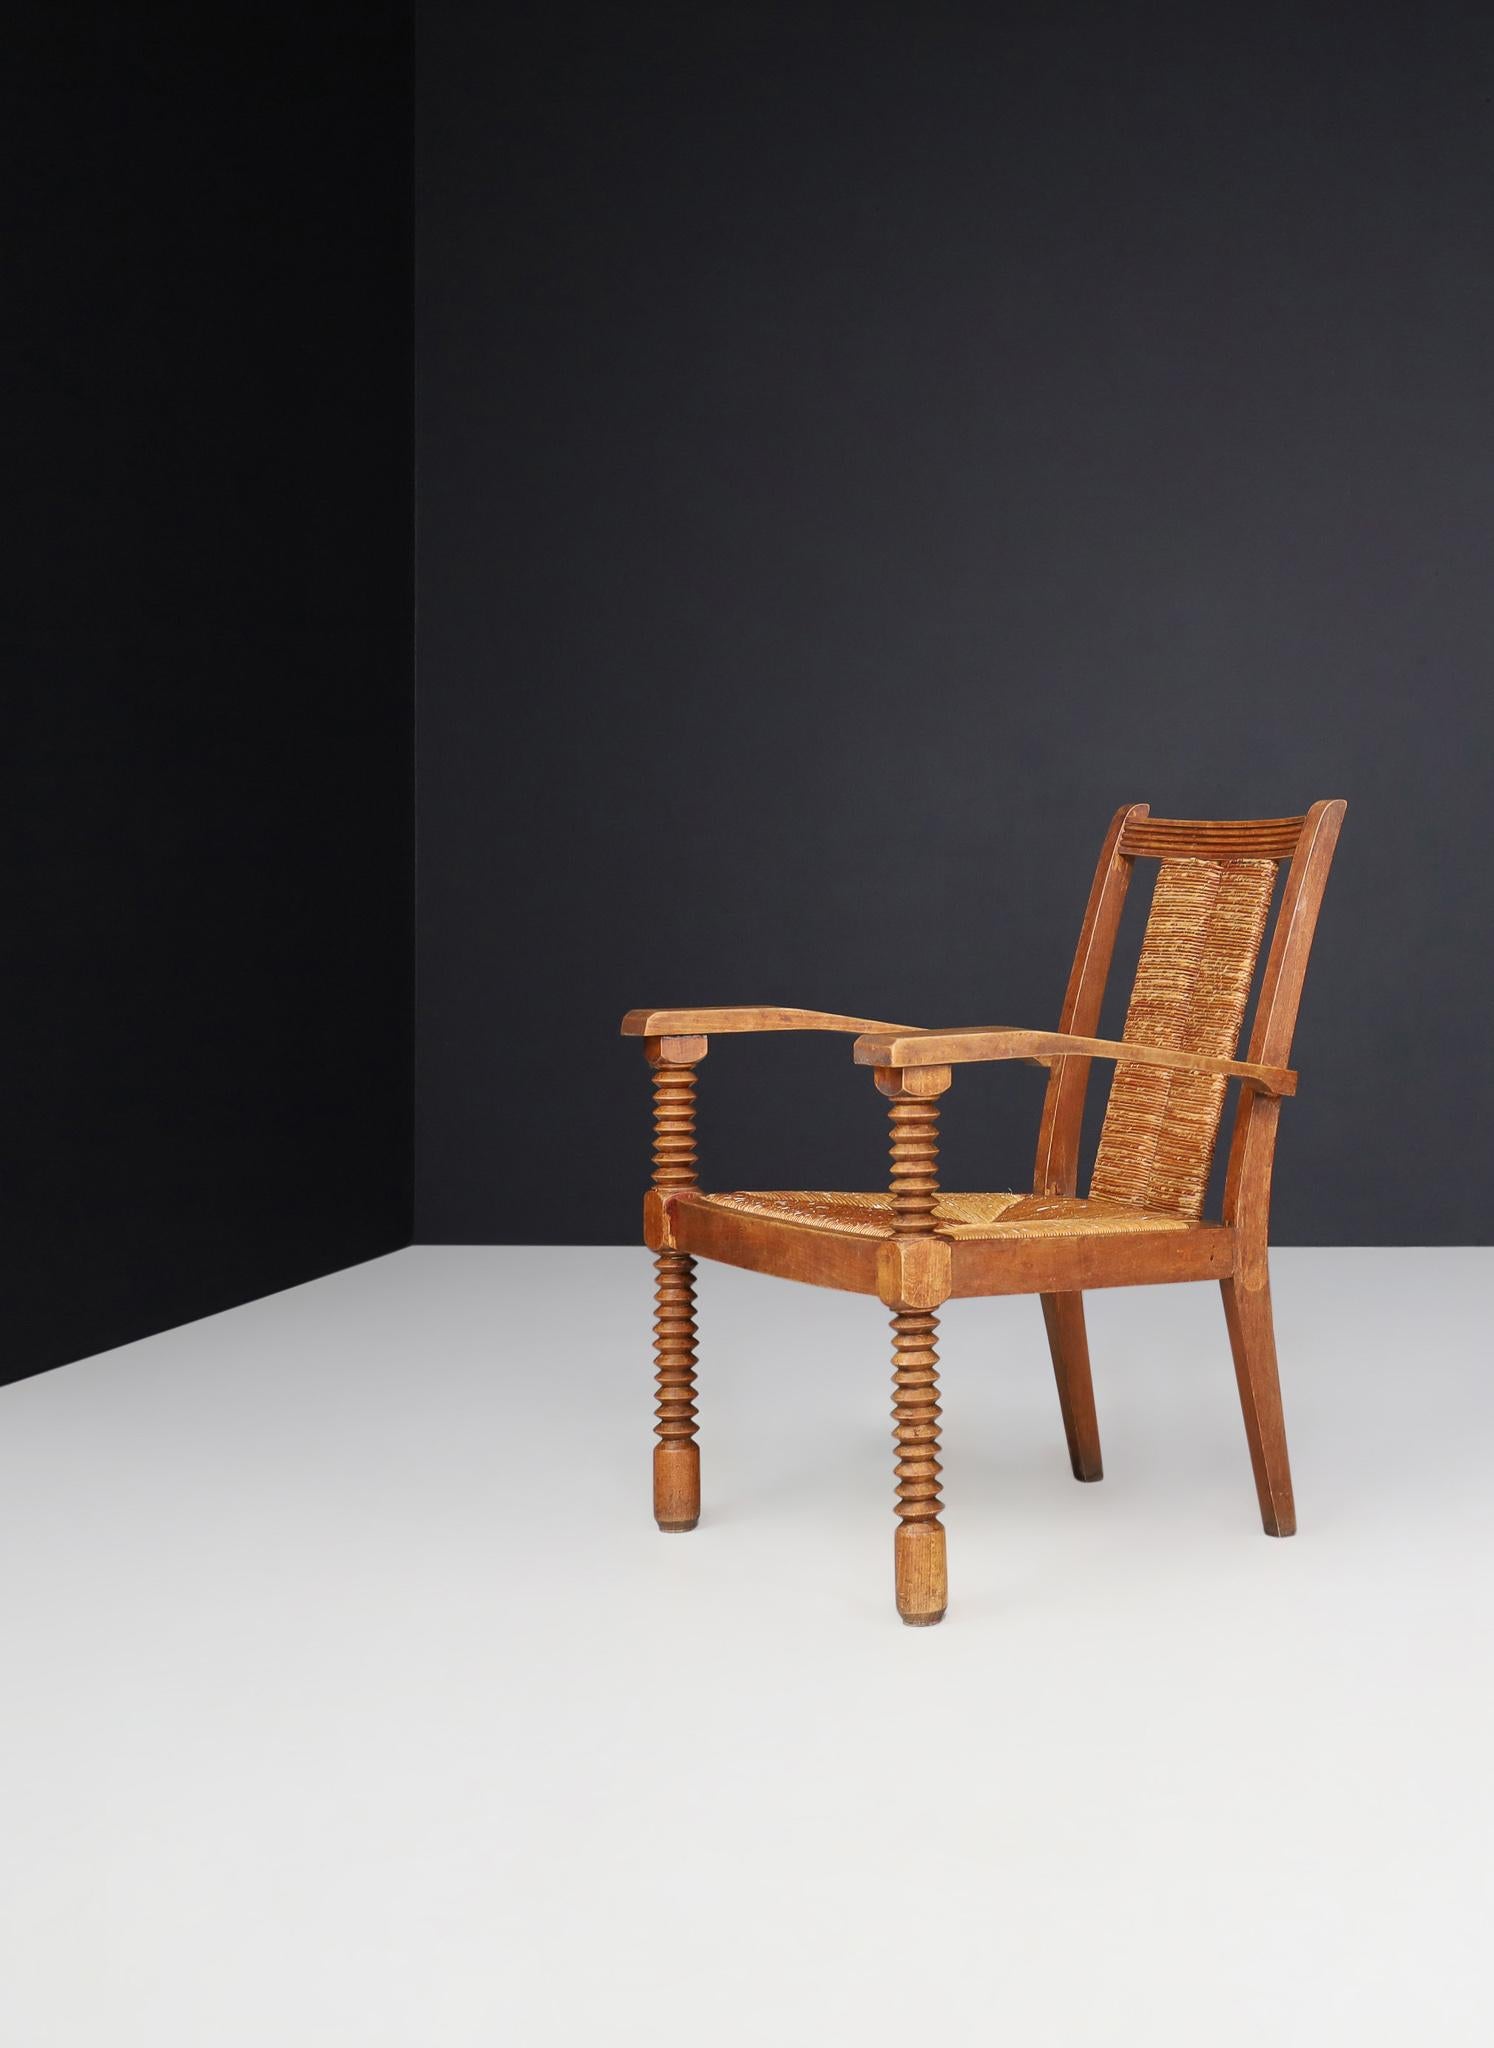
[(207, 633), (859, 448)]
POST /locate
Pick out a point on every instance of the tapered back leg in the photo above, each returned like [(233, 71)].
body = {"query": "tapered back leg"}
[(1069, 1344), (1247, 1310)]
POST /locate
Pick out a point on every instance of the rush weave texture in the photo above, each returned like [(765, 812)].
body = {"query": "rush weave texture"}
[(954, 1216), (1203, 934)]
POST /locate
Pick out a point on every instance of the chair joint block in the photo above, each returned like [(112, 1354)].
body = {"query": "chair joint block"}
[(658, 1221), (914, 1272), (902, 1083), (675, 1052)]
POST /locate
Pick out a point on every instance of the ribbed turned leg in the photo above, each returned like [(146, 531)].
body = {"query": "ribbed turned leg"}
[(922, 1580), (676, 1455), (921, 1575)]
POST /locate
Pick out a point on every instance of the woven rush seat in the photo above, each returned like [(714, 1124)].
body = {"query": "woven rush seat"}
[(955, 1216)]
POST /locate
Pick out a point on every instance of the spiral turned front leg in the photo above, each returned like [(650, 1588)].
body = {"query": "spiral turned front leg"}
[(922, 1573), (919, 1552), (676, 1455), (915, 1164)]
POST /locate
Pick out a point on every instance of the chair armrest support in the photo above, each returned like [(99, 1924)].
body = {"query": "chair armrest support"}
[(696, 1023), (908, 1049)]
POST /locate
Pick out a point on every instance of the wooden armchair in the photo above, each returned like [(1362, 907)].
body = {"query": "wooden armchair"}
[(1142, 1220)]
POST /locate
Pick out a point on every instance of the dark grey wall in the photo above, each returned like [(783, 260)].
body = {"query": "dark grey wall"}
[(859, 448), (207, 648)]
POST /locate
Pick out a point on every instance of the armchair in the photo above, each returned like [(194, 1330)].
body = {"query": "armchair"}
[(1141, 1220)]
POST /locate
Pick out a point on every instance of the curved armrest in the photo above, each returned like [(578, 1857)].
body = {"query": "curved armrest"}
[(952, 1048), (692, 1023)]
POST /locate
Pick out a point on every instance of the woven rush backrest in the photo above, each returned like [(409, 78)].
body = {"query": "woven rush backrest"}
[(1198, 958)]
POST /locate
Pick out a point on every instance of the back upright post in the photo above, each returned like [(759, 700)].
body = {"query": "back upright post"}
[(1057, 1168), (1247, 1189)]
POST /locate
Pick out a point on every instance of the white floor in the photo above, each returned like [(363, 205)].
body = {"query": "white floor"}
[(350, 1696)]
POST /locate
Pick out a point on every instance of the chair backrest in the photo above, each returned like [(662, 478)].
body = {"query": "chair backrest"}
[(1210, 904)]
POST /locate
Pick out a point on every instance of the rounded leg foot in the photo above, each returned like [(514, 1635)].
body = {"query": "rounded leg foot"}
[(677, 1486), (922, 1573)]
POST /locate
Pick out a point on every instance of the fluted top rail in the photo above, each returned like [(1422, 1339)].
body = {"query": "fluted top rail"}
[(1211, 838)]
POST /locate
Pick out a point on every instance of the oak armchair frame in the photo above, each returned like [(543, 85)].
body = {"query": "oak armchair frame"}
[(913, 1262)]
